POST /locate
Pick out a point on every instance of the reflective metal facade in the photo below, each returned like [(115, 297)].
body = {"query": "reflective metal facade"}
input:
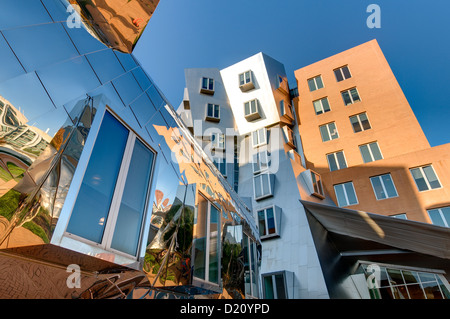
[(58, 87)]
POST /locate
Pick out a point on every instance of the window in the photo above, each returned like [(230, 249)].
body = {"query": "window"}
[(315, 83), (286, 110), (425, 178), (328, 131), (321, 106), (370, 152), (290, 138), (360, 122), (440, 216), (251, 258), (263, 185), (274, 286), (218, 141), (317, 185), (269, 222), (261, 161), (345, 194), (251, 110), (206, 242), (350, 96), (207, 86), (221, 165), (259, 137), (399, 216), (212, 112), (246, 81), (383, 186), (342, 73), (397, 282), (336, 161), (112, 200)]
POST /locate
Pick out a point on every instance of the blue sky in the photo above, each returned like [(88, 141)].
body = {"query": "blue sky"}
[(414, 36)]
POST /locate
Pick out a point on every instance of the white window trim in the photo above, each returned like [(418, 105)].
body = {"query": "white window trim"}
[(383, 186), (257, 160), (425, 178), (336, 160), (329, 132), (342, 73), (370, 152), (259, 143), (350, 95), (253, 115), (276, 217), (113, 212), (321, 105), (345, 194), (212, 117), (360, 122), (207, 90), (318, 179), (269, 179), (272, 275), (315, 82), (215, 142), (208, 245), (440, 214)]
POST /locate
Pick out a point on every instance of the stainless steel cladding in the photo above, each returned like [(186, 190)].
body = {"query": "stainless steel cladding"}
[(104, 193)]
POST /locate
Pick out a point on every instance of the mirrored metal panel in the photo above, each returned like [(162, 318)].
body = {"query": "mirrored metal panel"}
[(117, 23)]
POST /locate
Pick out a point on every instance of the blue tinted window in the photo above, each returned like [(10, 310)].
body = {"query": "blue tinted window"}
[(90, 213), (133, 203)]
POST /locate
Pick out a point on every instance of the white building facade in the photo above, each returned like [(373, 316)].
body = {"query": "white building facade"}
[(249, 103)]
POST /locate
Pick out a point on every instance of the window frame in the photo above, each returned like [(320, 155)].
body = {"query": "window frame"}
[(441, 214), (207, 89), (351, 96), (323, 111), (317, 184), (272, 275), (370, 152), (383, 186), (336, 160), (342, 73), (258, 141), (208, 244), (218, 141), (358, 117), (247, 85), (264, 176), (345, 194), (429, 188), (214, 107), (328, 131), (313, 79), (276, 218), (252, 115), (113, 212), (257, 161)]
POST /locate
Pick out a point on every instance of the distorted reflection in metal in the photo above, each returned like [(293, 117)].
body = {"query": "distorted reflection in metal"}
[(117, 23), (50, 112)]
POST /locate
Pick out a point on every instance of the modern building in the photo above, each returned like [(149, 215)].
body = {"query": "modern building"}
[(107, 191), (361, 135), (294, 156), (104, 191)]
